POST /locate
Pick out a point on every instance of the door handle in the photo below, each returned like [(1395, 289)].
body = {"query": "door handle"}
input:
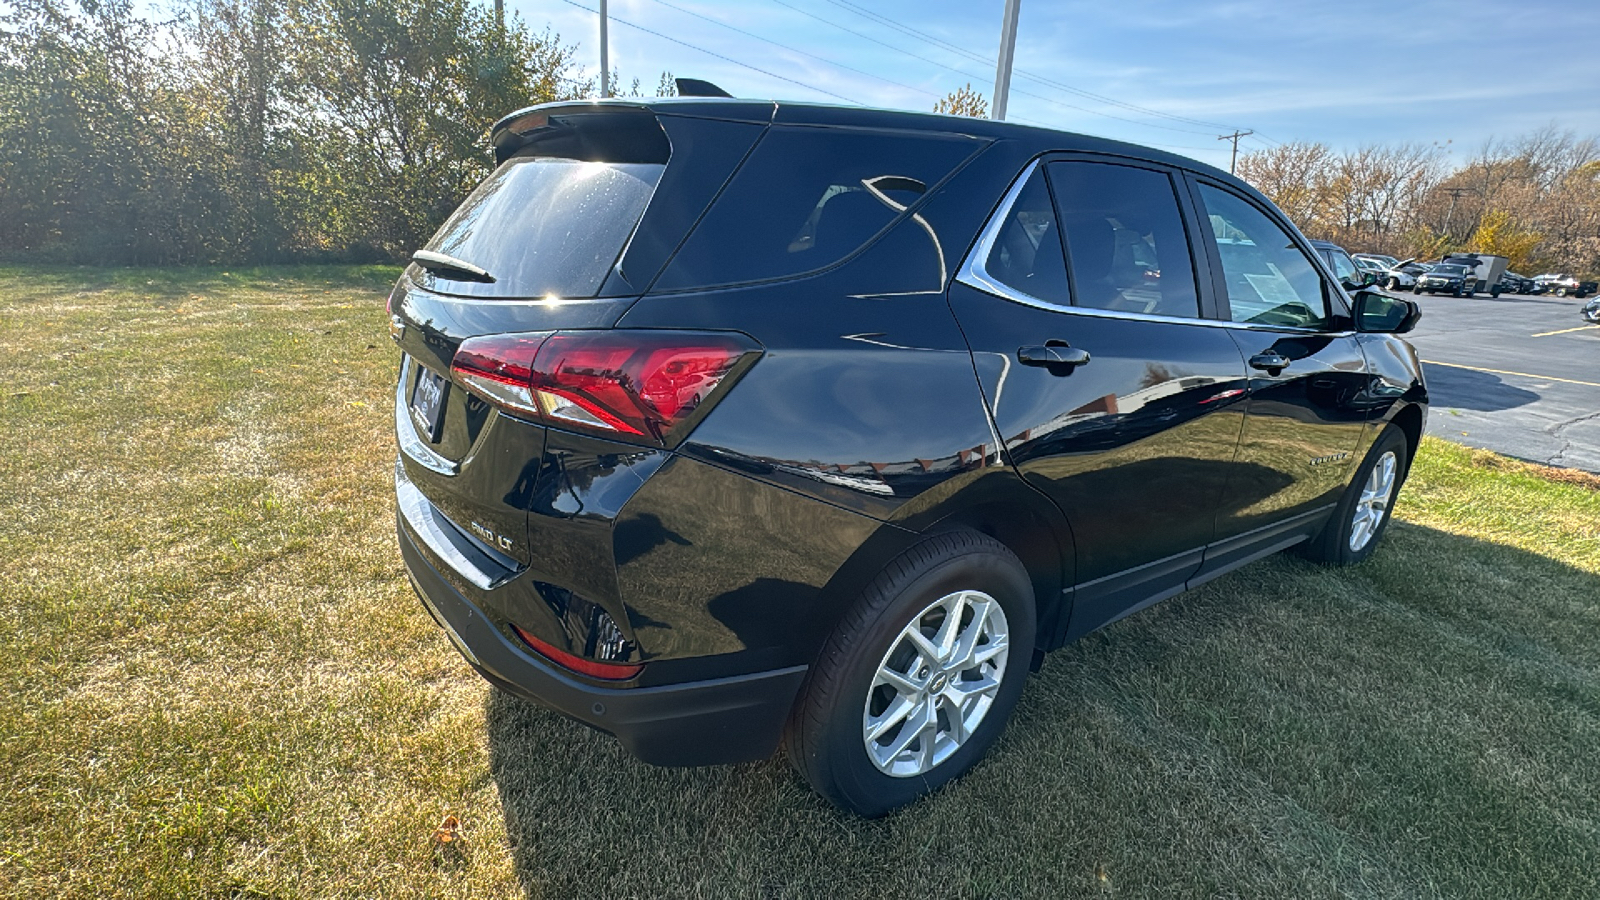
[(1271, 360), (1055, 353)]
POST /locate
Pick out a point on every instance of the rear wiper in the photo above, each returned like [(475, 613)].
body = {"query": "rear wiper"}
[(449, 267)]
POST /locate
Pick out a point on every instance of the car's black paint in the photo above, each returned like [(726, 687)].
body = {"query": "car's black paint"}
[(889, 400), (733, 719), (1135, 447)]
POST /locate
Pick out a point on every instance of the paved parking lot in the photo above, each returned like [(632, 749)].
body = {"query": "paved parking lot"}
[(1519, 375)]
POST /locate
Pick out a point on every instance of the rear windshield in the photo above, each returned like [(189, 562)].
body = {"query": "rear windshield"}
[(542, 226)]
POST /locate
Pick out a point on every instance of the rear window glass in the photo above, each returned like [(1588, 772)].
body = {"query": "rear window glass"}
[(807, 198), (542, 225)]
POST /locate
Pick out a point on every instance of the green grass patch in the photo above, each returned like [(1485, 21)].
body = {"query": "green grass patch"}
[(219, 684)]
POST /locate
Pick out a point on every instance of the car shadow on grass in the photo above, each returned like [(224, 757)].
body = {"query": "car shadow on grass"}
[(1422, 724)]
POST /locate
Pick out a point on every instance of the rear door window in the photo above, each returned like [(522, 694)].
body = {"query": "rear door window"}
[(807, 198), (1270, 280), (1126, 245), (544, 226), (1027, 256)]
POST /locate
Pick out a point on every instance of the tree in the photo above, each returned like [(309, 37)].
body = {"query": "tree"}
[(401, 92), (1295, 176), (964, 102), (1499, 235)]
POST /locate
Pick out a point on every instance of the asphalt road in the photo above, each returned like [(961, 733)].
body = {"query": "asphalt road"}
[(1518, 375)]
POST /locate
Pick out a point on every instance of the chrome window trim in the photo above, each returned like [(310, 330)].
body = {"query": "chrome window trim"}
[(405, 431), (973, 274)]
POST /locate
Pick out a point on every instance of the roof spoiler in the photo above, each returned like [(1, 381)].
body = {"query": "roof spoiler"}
[(609, 132)]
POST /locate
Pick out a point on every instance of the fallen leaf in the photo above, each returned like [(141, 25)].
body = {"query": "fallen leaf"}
[(449, 850), (448, 830)]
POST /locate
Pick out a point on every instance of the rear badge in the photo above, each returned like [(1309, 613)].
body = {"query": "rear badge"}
[(503, 544)]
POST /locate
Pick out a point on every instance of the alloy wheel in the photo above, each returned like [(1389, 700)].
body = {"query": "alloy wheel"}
[(936, 683), (1373, 503)]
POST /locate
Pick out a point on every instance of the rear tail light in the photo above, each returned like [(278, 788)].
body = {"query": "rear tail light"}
[(635, 385)]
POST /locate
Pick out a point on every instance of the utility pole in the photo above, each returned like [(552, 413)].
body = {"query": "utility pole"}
[(1455, 194), (500, 14), (605, 55), (1002, 69), (1234, 163)]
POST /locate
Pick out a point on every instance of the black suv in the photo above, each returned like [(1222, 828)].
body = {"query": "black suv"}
[(727, 423), (1342, 265), (1447, 278)]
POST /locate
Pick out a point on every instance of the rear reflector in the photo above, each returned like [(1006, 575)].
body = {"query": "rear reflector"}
[(589, 667), (635, 385)]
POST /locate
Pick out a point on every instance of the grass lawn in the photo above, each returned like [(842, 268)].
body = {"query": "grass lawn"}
[(218, 683)]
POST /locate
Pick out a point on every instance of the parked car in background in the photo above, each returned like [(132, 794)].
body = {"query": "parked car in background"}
[(1566, 285), (705, 439), (1344, 268), (1385, 261), (1377, 270), (1512, 283), (1403, 276), (1447, 278), (1485, 270), (1591, 311)]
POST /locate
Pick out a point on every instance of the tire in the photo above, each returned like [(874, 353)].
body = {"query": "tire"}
[(1394, 284), (1495, 293), (1339, 544), (1417, 290), (1561, 292), (828, 734), (1456, 292)]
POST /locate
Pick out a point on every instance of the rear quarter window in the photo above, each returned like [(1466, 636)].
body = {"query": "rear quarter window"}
[(807, 198)]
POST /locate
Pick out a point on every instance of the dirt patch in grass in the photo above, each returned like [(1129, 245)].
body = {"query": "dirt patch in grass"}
[(1484, 459)]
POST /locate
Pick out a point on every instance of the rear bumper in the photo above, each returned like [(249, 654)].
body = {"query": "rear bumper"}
[(722, 720)]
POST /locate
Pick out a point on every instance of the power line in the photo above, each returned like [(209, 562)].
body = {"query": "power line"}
[(667, 37), (975, 57), (796, 49), (964, 73), (1037, 124)]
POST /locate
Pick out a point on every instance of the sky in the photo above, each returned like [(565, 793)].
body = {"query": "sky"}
[(1174, 75)]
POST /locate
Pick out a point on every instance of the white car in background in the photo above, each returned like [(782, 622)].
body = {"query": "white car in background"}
[(1385, 261), (1403, 275)]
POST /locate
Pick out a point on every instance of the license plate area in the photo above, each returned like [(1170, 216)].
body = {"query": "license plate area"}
[(427, 402)]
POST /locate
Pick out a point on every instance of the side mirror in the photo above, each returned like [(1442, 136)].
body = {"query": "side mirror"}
[(1379, 313)]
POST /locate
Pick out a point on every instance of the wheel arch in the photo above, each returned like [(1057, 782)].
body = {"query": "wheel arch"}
[(1409, 420), (1030, 536)]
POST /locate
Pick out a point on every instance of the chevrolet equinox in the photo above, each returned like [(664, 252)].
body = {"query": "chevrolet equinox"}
[(725, 425)]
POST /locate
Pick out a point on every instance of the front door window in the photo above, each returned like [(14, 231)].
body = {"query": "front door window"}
[(1270, 281)]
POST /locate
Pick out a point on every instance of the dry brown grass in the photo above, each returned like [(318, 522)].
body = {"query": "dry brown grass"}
[(219, 684)]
